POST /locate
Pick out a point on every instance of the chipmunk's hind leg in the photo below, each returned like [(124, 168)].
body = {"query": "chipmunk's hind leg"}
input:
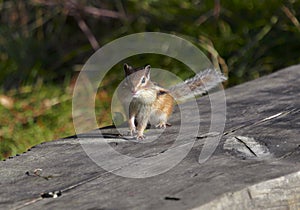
[(163, 125), (159, 119)]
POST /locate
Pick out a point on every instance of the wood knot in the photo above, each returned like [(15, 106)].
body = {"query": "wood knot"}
[(246, 148)]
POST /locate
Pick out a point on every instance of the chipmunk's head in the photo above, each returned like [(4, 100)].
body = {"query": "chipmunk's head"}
[(138, 78)]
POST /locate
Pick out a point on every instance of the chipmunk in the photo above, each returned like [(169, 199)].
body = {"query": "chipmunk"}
[(154, 104)]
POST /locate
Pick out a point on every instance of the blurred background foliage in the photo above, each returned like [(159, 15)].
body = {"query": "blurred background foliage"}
[(44, 43)]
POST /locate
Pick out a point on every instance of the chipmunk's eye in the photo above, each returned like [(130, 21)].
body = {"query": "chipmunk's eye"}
[(143, 80)]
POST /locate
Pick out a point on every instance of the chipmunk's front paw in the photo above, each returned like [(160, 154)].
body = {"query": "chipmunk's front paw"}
[(132, 131), (140, 136)]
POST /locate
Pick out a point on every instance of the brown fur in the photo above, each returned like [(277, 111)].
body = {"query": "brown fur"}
[(164, 103)]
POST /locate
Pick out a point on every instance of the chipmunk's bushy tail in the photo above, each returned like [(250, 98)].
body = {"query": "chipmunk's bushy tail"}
[(198, 85)]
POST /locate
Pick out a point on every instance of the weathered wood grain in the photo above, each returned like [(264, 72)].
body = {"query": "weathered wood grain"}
[(255, 166)]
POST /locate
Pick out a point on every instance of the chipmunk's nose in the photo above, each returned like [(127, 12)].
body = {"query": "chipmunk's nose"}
[(133, 91)]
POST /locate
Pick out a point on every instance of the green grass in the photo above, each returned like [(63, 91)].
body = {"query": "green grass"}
[(30, 116), (33, 115)]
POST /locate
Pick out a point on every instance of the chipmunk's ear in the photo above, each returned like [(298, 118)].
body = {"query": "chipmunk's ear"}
[(162, 91), (128, 69), (147, 71)]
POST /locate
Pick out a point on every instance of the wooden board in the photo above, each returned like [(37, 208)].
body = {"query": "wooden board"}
[(255, 166)]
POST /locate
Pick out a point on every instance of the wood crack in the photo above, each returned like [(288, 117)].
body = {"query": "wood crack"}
[(247, 146), (272, 117)]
